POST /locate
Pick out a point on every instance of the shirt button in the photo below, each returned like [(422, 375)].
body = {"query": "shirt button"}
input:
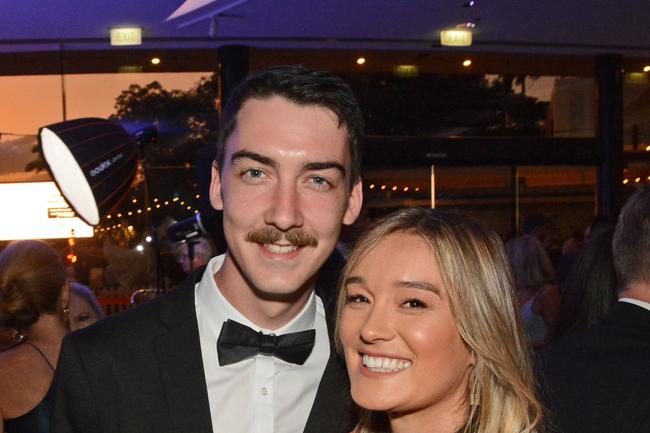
[(264, 391)]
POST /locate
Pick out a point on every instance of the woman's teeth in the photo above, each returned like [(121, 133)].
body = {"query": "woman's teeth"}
[(384, 365)]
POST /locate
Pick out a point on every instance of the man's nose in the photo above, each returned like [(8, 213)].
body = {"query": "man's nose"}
[(284, 211)]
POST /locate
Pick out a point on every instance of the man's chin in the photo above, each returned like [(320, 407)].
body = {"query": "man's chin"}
[(283, 293)]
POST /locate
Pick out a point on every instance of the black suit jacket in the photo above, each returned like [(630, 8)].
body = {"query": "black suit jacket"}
[(141, 371), (599, 381)]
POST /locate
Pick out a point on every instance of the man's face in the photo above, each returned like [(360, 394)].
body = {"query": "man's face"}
[(284, 191)]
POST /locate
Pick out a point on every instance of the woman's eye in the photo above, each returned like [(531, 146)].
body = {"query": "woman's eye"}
[(356, 299), (414, 303)]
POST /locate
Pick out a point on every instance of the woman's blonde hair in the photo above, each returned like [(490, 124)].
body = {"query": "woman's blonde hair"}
[(479, 283)]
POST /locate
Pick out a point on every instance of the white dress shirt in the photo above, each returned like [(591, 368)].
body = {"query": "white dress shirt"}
[(262, 394)]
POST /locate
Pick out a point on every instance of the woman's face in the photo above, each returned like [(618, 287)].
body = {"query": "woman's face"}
[(402, 347), (82, 313)]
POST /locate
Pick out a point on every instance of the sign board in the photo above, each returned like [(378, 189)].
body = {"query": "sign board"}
[(37, 210), (126, 36), (456, 38)]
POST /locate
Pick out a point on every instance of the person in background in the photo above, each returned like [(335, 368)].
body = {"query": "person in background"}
[(7, 339), (573, 247), (590, 288), (84, 308), (539, 299), (202, 252), (34, 305), (429, 326), (598, 380)]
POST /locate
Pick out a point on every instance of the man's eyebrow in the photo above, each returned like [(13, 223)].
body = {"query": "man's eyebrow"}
[(418, 285), (252, 155), (325, 165)]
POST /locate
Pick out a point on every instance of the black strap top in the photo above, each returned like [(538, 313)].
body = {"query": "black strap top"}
[(36, 420)]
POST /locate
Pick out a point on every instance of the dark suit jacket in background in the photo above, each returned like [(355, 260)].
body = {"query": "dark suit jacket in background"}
[(598, 381), (142, 372)]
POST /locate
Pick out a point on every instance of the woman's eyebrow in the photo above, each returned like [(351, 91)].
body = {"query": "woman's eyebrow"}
[(353, 280), (418, 285)]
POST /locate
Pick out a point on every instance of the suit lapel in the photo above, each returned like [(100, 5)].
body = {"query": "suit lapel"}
[(180, 363), (332, 411)]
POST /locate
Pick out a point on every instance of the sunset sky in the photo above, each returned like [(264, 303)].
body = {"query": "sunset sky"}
[(29, 102)]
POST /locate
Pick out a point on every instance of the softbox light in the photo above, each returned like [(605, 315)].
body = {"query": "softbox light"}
[(92, 161)]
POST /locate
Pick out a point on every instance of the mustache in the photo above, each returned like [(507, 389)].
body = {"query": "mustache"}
[(270, 235)]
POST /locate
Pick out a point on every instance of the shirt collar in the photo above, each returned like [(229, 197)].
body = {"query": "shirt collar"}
[(217, 309), (641, 304)]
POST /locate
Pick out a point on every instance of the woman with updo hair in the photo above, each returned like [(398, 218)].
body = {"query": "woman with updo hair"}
[(34, 306)]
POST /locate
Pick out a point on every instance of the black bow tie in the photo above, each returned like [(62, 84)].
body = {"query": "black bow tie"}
[(238, 342)]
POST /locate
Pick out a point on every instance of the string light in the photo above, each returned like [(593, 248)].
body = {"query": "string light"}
[(404, 188), (159, 204), (625, 181), (637, 180)]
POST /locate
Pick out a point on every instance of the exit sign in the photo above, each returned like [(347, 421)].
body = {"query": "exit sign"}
[(126, 36)]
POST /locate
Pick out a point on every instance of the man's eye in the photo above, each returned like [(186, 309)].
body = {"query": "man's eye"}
[(320, 182), (254, 172)]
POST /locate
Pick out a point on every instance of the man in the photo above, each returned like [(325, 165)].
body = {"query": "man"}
[(286, 176), (201, 254), (599, 381)]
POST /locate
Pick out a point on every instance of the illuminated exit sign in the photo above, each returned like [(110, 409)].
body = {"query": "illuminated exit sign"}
[(126, 36), (456, 38)]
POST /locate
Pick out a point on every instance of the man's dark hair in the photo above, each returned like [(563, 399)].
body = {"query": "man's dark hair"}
[(301, 86), (631, 244)]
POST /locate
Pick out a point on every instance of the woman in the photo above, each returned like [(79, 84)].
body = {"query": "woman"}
[(539, 298), (428, 323), (84, 308), (34, 304)]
